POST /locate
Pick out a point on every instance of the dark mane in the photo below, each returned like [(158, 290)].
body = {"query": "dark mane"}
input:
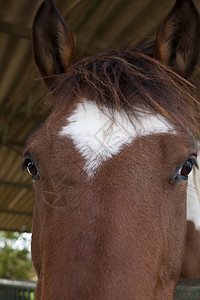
[(128, 80)]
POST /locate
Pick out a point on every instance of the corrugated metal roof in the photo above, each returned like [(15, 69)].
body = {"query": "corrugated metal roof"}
[(97, 25)]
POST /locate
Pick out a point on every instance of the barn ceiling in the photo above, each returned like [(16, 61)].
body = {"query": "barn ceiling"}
[(97, 25)]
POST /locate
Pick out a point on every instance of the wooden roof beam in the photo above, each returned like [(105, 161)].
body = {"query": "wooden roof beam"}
[(16, 184), (15, 29)]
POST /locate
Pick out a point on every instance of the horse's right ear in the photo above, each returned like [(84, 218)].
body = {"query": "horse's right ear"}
[(53, 44), (178, 38)]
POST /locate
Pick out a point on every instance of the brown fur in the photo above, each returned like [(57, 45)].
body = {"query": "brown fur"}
[(119, 234), (97, 239)]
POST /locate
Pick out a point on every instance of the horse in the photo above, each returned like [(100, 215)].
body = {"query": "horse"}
[(110, 164)]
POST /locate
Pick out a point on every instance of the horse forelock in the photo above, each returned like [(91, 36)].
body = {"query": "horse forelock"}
[(127, 81)]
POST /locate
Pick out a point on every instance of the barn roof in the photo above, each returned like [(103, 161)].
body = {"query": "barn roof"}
[(97, 25)]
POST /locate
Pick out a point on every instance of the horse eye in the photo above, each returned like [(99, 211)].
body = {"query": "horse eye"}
[(186, 168), (31, 167)]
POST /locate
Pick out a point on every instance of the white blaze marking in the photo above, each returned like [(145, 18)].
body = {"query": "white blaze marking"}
[(193, 197), (97, 137)]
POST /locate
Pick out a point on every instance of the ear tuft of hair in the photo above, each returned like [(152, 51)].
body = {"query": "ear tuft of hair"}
[(178, 38), (53, 44)]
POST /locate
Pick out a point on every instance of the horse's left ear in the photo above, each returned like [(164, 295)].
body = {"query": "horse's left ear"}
[(53, 44), (178, 38)]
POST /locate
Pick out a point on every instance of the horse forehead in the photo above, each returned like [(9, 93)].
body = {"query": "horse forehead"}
[(100, 135)]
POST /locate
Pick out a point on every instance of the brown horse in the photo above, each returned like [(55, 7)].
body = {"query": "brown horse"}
[(110, 165)]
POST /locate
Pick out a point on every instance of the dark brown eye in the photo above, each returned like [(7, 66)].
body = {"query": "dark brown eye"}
[(186, 168), (31, 168)]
